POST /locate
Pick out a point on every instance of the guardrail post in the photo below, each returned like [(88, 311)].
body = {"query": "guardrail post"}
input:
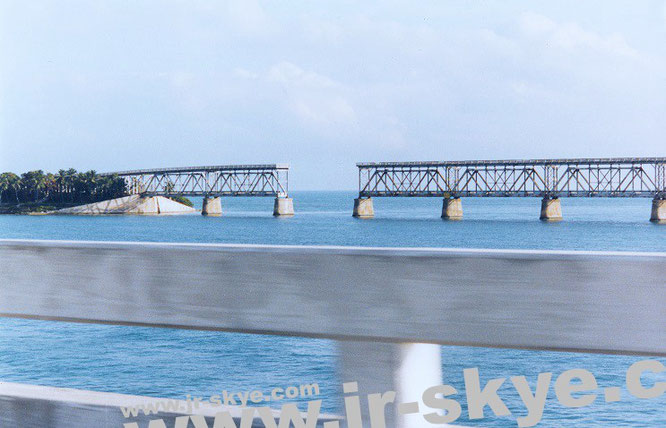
[(408, 369)]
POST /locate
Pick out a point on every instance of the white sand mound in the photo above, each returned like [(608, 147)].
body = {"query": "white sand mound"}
[(133, 204)]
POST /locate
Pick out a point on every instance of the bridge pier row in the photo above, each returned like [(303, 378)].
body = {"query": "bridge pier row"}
[(452, 209), (283, 207), (658, 214), (408, 369), (212, 206), (551, 209), (363, 208)]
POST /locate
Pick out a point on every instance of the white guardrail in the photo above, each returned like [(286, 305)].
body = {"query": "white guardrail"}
[(388, 308)]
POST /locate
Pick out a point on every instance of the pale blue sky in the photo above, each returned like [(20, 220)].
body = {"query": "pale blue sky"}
[(112, 85)]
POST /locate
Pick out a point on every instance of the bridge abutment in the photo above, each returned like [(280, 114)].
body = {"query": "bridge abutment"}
[(283, 207), (452, 209), (363, 208), (551, 209), (658, 211), (212, 206)]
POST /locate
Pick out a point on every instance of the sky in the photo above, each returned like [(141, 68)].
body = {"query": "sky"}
[(124, 84)]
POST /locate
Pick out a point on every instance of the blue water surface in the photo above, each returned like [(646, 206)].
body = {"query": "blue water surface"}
[(174, 363)]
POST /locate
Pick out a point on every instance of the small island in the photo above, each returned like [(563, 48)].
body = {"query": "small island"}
[(82, 193)]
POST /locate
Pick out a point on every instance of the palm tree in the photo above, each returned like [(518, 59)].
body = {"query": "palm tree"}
[(4, 186), (15, 184), (69, 183), (33, 182), (91, 182), (50, 185), (61, 180), (66, 185)]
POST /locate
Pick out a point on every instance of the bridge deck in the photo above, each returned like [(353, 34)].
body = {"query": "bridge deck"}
[(220, 180), (599, 177), (210, 168)]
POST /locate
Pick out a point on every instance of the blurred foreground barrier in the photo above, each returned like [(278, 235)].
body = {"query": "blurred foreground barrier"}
[(388, 308)]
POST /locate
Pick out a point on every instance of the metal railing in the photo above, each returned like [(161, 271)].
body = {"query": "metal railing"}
[(388, 308)]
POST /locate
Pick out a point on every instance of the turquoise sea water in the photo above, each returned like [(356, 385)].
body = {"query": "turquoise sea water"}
[(174, 363)]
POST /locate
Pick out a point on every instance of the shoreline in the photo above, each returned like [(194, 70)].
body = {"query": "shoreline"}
[(32, 208)]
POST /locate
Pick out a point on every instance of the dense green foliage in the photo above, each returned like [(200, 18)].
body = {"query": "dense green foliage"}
[(182, 199), (65, 187)]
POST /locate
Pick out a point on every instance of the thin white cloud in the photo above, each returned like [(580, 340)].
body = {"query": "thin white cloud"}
[(316, 99), (324, 110), (249, 18), (290, 74), (571, 36), (245, 74), (350, 82), (500, 44), (319, 30)]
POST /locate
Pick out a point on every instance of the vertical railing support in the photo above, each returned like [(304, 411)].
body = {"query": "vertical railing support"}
[(408, 369)]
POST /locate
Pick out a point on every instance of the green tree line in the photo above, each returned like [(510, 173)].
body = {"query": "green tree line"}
[(65, 187)]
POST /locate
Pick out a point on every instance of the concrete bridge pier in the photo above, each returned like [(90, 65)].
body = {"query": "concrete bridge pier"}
[(283, 207), (452, 209), (658, 211), (363, 208), (551, 209), (408, 369), (212, 206)]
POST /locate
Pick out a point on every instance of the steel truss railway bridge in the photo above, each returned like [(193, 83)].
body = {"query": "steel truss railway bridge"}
[(213, 182), (548, 179)]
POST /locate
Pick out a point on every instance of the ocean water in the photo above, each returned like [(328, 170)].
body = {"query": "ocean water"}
[(174, 363)]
